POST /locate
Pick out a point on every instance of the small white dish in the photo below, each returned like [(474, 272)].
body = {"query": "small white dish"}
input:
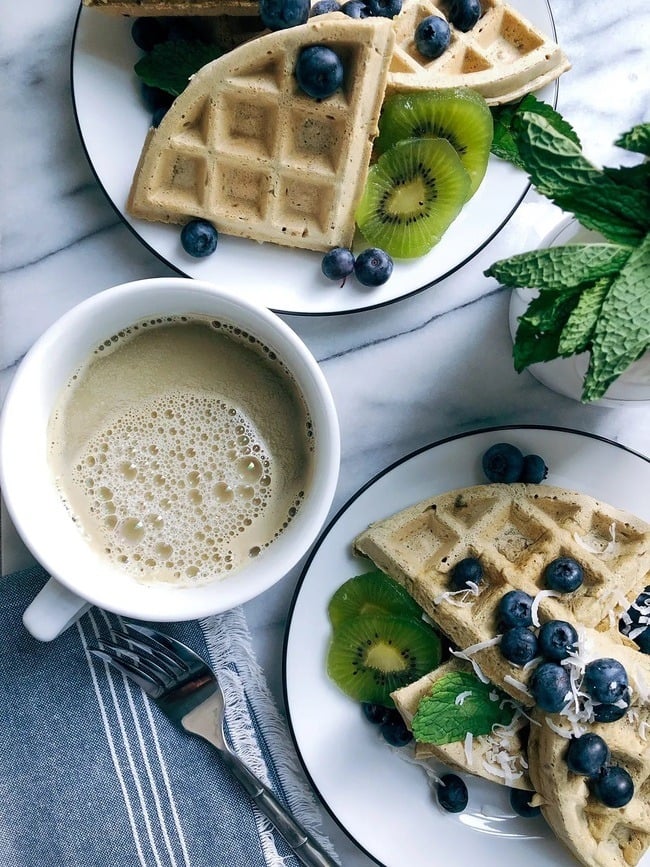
[(113, 123), (566, 375), (382, 802)]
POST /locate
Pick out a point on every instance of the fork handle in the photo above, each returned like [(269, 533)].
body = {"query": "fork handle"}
[(304, 846)]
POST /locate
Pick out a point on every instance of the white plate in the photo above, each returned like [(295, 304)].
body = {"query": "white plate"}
[(383, 803), (113, 122)]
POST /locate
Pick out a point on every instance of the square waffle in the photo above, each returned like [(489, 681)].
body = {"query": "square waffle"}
[(503, 56), (516, 530), (243, 147)]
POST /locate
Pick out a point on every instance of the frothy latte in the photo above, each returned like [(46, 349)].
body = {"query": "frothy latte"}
[(182, 448)]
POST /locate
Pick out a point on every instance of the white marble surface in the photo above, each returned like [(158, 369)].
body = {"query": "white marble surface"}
[(402, 376)]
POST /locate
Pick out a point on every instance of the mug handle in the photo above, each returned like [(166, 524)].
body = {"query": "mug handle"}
[(53, 610)]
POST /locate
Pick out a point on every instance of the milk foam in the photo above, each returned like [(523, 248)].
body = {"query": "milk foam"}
[(182, 450)]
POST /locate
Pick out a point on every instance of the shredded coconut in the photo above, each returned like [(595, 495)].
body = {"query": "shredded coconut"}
[(464, 595), (543, 594), (460, 698), (469, 751), (517, 685), (590, 544)]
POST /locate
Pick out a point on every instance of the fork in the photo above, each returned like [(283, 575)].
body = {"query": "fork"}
[(186, 690)]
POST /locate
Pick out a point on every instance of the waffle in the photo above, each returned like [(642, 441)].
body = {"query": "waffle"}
[(598, 836), (150, 8), (477, 761), (243, 147), (503, 56), (516, 530)]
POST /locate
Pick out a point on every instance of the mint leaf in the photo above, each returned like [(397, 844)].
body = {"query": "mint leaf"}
[(559, 267), (559, 170), (440, 720), (578, 330), (637, 139), (540, 328), (169, 65), (622, 332), (506, 119), (637, 177)]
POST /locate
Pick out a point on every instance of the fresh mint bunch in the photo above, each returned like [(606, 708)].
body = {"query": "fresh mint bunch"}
[(459, 703), (592, 297), (170, 64)]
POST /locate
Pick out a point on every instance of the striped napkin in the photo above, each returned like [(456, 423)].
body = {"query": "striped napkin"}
[(91, 774)]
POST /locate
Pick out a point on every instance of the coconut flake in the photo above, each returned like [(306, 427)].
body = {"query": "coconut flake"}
[(535, 603), (469, 751), (477, 668), (589, 543), (464, 595), (517, 685), (460, 698)]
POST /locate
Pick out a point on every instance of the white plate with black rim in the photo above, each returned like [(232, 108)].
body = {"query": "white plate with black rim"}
[(381, 801), (113, 122)]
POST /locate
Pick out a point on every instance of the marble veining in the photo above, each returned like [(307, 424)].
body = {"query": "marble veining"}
[(404, 375)]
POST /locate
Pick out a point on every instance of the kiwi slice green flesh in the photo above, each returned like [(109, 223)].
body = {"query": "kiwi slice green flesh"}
[(459, 114), (412, 195), (372, 655), (370, 593)]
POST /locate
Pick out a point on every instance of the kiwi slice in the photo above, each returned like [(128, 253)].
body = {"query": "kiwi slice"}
[(372, 655), (459, 114), (412, 194), (370, 593)]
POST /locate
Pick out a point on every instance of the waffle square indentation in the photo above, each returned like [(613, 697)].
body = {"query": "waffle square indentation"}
[(243, 191), (316, 141), (183, 178), (305, 203), (249, 126)]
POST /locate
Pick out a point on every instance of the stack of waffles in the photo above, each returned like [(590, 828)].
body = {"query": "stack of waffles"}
[(515, 531)]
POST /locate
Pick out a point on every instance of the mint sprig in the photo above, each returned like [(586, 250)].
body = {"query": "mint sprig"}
[(443, 718), (170, 64), (592, 297)]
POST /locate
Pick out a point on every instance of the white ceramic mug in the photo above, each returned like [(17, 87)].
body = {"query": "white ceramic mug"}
[(80, 575)]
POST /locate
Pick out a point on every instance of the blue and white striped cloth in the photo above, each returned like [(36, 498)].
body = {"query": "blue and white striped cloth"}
[(92, 775)]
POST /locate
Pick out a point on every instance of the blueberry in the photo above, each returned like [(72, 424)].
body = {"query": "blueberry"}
[(385, 8), (319, 71), (322, 7), (607, 713), (452, 793), (564, 574), (373, 267), (518, 645), (514, 609), (550, 684), (199, 238), (355, 9), (520, 803), (605, 680), (155, 98), (338, 263), (556, 639), (468, 569), (464, 14), (158, 115), (432, 36), (375, 713), (395, 732), (587, 754), (613, 786), (503, 462), (280, 14), (148, 32), (534, 470)]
